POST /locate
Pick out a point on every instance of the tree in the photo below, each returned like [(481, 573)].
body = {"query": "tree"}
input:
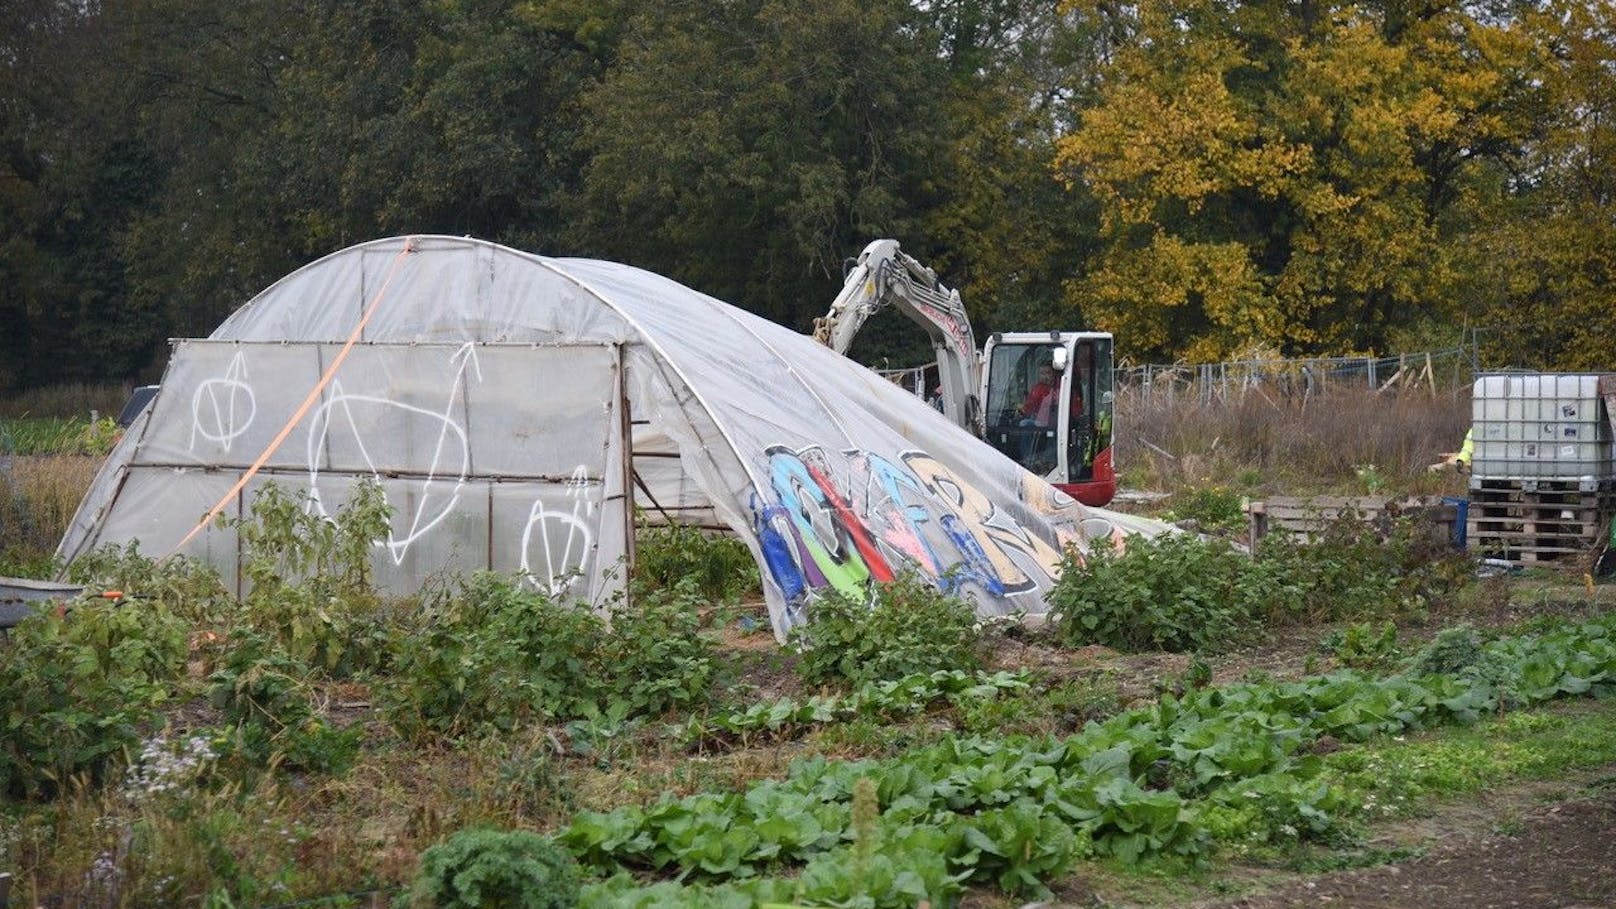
[(747, 153), (1548, 281), (65, 192), (363, 120), (1290, 176), (1006, 234)]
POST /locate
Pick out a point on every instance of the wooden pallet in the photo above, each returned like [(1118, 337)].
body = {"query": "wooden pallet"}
[(1540, 521), (1309, 517)]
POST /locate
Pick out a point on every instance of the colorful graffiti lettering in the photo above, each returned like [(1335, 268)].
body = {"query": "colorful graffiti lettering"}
[(845, 519), (1004, 535)]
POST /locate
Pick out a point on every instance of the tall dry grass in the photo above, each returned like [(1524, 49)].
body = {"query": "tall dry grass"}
[(1340, 441), (71, 400), (38, 496)]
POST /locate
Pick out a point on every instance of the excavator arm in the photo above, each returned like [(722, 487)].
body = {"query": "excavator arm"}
[(884, 275)]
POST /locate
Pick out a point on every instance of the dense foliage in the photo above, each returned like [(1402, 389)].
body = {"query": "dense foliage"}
[(192, 742), (477, 868), (1199, 176), (1187, 592), (77, 690), (493, 655), (717, 566), (910, 626)]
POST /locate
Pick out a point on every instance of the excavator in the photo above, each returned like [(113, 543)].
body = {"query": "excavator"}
[(1044, 399)]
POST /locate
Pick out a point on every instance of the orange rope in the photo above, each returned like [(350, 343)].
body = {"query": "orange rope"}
[(303, 409)]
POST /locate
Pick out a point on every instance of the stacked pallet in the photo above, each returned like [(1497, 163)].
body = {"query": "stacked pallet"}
[(1308, 518), (1538, 520)]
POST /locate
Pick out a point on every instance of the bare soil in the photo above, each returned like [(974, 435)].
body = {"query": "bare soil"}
[(1554, 856)]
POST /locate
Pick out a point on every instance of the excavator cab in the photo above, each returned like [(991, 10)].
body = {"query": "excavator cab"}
[(1048, 403)]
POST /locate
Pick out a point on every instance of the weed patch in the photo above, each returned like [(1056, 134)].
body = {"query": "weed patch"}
[(1184, 592), (493, 655), (77, 689), (719, 567), (911, 627)]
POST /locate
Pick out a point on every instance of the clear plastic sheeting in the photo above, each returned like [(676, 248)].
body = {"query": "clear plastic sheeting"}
[(501, 457), (476, 398)]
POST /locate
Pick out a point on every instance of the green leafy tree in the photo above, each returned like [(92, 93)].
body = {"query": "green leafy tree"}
[(748, 153)]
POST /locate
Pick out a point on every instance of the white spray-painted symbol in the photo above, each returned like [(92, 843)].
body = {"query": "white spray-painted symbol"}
[(434, 502), (223, 408), (573, 535)]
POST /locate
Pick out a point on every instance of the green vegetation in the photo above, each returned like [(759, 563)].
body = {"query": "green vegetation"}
[(911, 627), (1185, 592), (77, 690), (887, 699), (45, 465), (475, 869), (1212, 509), (494, 656), (719, 567), (316, 740), (57, 436), (1230, 764), (1240, 178)]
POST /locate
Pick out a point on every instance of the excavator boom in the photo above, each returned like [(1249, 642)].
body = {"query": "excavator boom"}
[(884, 275)]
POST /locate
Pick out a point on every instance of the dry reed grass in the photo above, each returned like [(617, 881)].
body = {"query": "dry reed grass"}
[(73, 400), (1274, 443), (38, 495)]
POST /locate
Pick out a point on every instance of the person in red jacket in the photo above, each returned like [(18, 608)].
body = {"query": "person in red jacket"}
[(1039, 407)]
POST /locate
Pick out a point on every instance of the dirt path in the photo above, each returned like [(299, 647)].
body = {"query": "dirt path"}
[(1560, 856)]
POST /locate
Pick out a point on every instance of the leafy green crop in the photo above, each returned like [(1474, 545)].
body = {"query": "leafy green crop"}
[(1232, 763), (910, 694), (479, 868)]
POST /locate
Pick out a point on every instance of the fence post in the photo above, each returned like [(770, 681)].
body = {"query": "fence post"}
[(1369, 367)]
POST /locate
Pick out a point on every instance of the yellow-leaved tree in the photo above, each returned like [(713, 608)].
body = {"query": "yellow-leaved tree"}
[(1298, 176)]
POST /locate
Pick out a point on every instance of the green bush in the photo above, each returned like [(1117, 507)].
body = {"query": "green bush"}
[(188, 588), (310, 578), (1185, 592), (720, 566), (77, 688), (1215, 509), (1175, 592), (494, 654), (266, 696), (491, 655), (658, 656), (911, 627), (483, 869)]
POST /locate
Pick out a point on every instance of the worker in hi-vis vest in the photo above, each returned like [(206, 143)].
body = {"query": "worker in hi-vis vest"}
[(1458, 460)]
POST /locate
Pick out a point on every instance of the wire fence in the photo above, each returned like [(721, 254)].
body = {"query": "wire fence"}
[(1304, 378)]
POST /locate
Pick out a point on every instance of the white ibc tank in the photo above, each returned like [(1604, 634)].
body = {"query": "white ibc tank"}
[(1551, 426)]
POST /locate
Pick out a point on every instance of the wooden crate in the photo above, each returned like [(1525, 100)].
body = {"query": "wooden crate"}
[(1540, 521), (1308, 517)]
